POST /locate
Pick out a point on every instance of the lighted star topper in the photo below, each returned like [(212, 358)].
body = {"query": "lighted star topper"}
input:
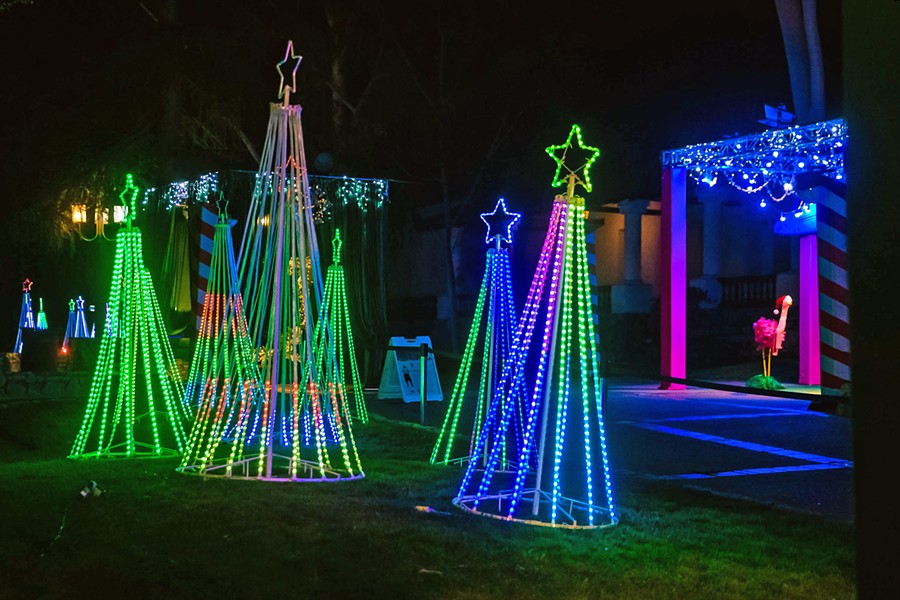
[(131, 201), (26, 285), (500, 222), (560, 159), (288, 55), (336, 244)]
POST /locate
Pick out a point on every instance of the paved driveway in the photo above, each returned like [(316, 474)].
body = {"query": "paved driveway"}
[(768, 450)]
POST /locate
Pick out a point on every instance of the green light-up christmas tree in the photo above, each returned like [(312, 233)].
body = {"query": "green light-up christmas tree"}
[(561, 474), (135, 405), (305, 423), (490, 338), (333, 331), (224, 380)]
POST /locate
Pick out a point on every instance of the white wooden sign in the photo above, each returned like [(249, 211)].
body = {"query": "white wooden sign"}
[(400, 377)]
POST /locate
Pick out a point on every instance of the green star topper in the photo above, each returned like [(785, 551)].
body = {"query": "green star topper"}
[(336, 244), (561, 160), (130, 201)]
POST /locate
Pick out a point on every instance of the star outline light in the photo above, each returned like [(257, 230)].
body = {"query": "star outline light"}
[(288, 54), (26, 285), (497, 222), (336, 244), (561, 160), (131, 203)]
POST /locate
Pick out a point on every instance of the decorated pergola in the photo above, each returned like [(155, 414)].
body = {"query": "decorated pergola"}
[(798, 170)]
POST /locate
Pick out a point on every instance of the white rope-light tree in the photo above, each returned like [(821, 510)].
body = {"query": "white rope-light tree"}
[(305, 427), (561, 475), (490, 339), (136, 401)]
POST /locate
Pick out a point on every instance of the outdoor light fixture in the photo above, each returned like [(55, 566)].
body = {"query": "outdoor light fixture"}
[(101, 220), (79, 213)]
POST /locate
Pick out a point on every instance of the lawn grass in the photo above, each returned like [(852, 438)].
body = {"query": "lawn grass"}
[(155, 533)]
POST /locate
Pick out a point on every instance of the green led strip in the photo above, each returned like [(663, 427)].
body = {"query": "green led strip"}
[(135, 404)]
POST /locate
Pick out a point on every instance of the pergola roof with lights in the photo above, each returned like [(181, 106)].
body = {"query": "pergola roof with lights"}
[(776, 164), (768, 162)]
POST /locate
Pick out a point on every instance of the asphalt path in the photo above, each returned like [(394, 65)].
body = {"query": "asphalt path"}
[(768, 450)]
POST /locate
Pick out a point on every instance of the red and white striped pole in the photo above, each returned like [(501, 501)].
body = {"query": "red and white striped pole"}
[(834, 317), (206, 226)]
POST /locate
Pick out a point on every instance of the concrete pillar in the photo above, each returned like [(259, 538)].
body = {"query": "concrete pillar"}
[(712, 251), (633, 209), (633, 295)]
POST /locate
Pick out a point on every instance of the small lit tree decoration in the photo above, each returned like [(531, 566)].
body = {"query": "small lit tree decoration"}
[(306, 425), (769, 337), (490, 338), (561, 475), (41, 322), (224, 380), (334, 322), (76, 325), (135, 404), (26, 315)]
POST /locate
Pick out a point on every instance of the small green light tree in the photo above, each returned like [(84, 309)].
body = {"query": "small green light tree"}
[(135, 405), (333, 331)]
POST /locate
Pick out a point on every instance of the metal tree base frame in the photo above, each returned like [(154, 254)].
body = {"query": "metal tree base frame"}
[(492, 506), (140, 450), (307, 471)]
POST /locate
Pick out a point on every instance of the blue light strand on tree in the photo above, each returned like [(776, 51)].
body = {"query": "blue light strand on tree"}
[(560, 477), (491, 338)]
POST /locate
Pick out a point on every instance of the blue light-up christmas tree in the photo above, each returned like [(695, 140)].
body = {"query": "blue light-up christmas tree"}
[(490, 338), (26, 314), (561, 474), (76, 325)]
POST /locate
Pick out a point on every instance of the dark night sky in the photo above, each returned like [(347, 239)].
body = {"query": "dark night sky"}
[(84, 86), (640, 77)]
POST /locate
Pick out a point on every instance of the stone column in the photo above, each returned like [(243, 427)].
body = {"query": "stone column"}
[(633, 209), (633, 295), (712, 245)]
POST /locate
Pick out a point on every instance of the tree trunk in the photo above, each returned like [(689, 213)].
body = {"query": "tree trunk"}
[(800, 33)]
